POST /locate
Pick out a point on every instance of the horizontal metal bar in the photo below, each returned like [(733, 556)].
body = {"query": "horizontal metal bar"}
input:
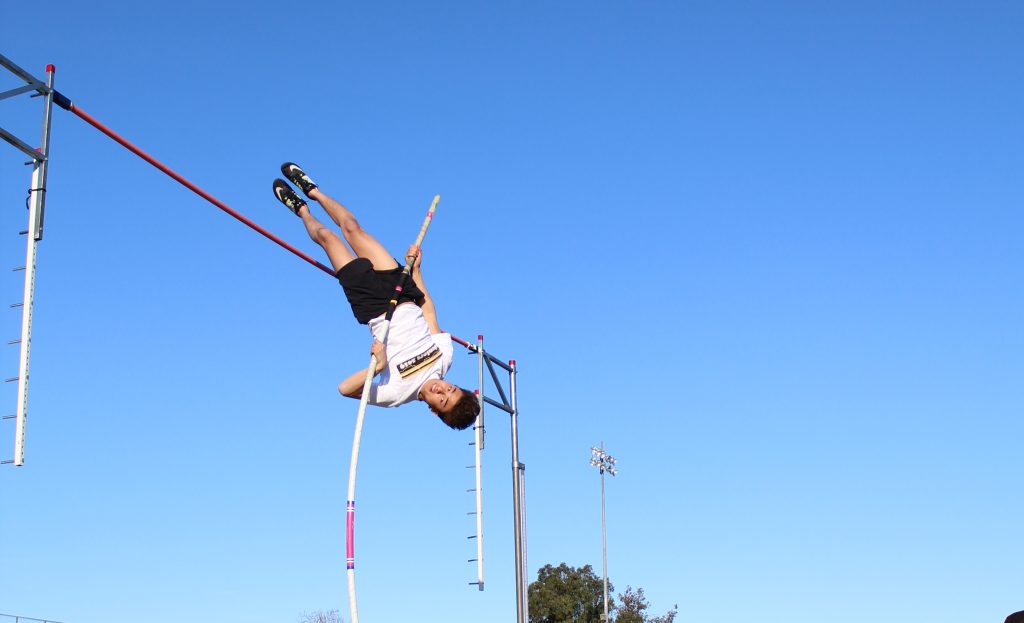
[(18, 91), (13, 378), (16, 142), (495, 403), (498, 361), (17, 269), (17, 341), (472, 560), (21, 73), (28, 618), (469, 513), (472, 536), (10, 417), (7, 462), (13, 305)]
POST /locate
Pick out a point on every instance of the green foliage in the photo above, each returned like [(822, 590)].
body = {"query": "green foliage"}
[(634, 609), (565, 594)]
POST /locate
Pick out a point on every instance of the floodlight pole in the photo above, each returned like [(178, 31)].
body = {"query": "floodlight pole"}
[(605, 463)]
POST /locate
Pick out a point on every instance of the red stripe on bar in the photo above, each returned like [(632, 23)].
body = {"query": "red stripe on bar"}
[(189, 185)]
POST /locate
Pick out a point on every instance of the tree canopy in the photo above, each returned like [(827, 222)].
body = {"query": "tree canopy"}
[(633, 609), (565, 594)]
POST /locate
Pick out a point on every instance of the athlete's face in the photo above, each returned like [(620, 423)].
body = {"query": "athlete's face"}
[(440, 395)]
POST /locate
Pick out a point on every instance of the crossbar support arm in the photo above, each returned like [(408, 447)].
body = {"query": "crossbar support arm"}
[(20, 145), (10, 66)]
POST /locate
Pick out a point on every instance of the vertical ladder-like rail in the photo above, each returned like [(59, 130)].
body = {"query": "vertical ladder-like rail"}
[(478, 446), (34, 233)]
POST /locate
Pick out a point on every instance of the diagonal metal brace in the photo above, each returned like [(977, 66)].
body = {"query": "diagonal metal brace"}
[(18, 143)]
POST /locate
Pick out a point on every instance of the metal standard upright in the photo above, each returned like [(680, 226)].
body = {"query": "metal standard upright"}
[(36, 205), (508, 404)]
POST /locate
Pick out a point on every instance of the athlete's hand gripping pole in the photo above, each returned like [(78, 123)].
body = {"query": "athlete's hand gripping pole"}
[(350, 506)]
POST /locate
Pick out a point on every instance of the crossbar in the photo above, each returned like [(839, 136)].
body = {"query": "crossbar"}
[(65, 103)]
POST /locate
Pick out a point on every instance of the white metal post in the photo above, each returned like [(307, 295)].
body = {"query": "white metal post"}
[(34, 234), (478, 447), (604, 548), (522, 604)]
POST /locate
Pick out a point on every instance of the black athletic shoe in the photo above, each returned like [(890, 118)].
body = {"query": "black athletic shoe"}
[(287, 196), (298, 177)]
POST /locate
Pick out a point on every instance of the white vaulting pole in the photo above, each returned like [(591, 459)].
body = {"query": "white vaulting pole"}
[(350, 506)]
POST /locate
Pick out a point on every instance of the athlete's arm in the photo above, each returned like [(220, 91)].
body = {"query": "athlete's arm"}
[(427, 306), (353, 385)]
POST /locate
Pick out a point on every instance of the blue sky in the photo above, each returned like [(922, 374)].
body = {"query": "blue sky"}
[(769, 253)]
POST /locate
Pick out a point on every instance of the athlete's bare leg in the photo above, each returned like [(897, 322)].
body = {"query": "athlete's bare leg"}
[(361, 242), (338, 253)]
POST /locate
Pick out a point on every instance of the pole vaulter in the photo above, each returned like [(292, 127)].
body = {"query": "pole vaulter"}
[(68, 105)]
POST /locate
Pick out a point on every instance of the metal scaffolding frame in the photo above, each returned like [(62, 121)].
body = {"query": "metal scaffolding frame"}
[(40, 159), (509, 405), (36, 205)]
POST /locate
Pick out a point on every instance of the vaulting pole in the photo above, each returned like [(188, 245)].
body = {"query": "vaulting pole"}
[(350, 505)]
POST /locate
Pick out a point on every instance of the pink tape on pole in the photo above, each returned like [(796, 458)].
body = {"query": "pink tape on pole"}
[(350, 515)]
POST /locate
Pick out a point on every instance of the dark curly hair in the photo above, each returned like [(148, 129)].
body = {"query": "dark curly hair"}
[(463, 413)]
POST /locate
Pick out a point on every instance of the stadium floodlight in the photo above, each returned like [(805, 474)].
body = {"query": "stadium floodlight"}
[(605, 463)]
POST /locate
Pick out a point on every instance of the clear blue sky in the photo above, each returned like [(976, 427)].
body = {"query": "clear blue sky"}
[(770, 253)]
